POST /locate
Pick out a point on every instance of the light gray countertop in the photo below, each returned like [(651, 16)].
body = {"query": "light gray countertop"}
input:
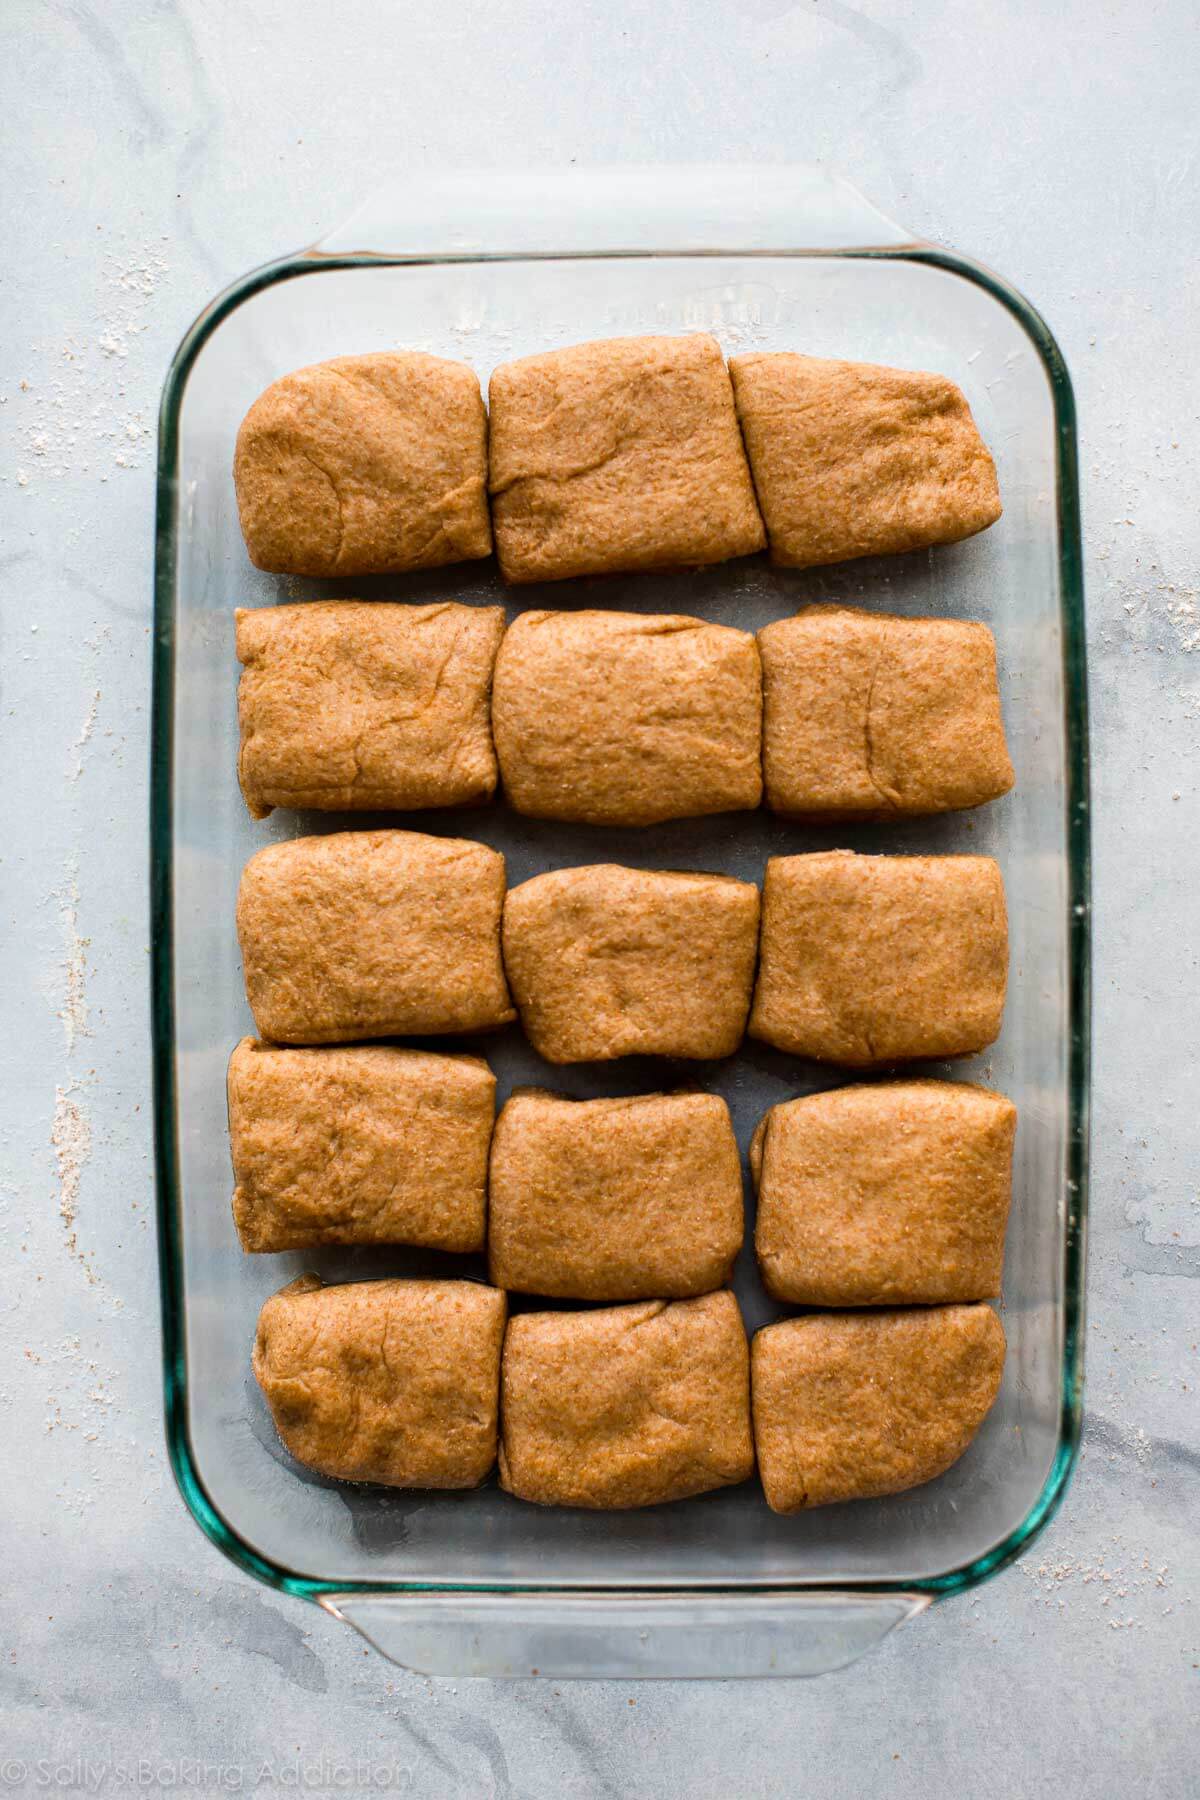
[(154, 149)]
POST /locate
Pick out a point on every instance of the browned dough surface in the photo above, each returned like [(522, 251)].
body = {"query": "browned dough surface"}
[(362, 1144), (365, 465), (853, 459), (850, 1406), (618, 455), (388, 1381), (626, 1406)]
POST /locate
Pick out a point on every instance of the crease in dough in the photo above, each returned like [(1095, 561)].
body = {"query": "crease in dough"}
[(870, 716), (610, 718), (351, 705), (365, 465), (615, 456), (626, 1406), (857, 459)]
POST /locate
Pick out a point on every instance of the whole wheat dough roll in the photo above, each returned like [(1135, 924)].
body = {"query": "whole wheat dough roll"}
[(372, 934), (854, 459), (361, 1144), (626, 1406), (867, 716), (606, 961), (611, 718), (364, 705), (876, 959), (851, 1406), (365, 465), (893, 1193), (618, 455), (614, 1199), (388, 1381)]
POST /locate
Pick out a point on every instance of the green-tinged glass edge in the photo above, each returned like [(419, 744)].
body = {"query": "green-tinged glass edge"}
[(1078, 834)]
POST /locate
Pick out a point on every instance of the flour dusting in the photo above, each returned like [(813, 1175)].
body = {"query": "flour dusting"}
[(1121, 1589), (71, 415), (75, 764), (71, 1136), (74, 1010)]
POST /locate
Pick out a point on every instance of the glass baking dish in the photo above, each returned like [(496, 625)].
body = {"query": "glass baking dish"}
[(486, 268)]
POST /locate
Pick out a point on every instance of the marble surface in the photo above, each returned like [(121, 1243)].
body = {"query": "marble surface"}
[(155, 149)]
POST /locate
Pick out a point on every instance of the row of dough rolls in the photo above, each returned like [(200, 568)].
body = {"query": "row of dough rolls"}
[(892, 1193), (621, 455), (616, 718), (428, 1383), (851, 959)]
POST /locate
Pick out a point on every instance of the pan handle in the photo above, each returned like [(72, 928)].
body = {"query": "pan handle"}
[(632, 209), (646, 1636)]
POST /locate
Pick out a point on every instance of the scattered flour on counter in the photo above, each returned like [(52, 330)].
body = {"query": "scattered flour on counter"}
[(71, 1131), (1184, 614), (75, 765), (1112, 1586), (70, 416), (74, 1009), (1167, 615), (71, 1137), (80, 1398)]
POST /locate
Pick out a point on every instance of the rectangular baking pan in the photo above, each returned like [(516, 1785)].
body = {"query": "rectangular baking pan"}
[(486, 268)]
